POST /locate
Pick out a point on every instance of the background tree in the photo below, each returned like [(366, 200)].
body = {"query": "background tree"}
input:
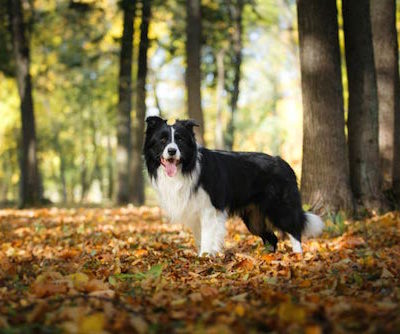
[(193, 72), (325, 173), (219, 133), (236, 18), (137, 189), (125, 103), (386, 55), (30, 192), (365, 172)]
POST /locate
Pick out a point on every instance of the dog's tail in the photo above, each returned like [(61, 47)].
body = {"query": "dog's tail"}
[(313, 226)]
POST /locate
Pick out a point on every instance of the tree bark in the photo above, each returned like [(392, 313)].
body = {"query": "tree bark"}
[(396, 145), (137, 187), (236, 15), (384, 36), (30, 187), (365, 172), (193, 73), (125, 103), (219, 129), (325, 181)]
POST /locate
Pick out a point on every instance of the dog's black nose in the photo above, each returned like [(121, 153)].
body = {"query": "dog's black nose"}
[(171, 151)]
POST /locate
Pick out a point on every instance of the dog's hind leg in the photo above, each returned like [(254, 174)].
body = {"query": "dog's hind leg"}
[(271, 238), (292, 223), (256, 223), (296, 244)]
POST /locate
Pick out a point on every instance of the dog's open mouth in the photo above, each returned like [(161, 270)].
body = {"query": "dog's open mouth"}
[(170, 165)]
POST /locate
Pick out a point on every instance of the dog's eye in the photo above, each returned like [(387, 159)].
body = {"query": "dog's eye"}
[(177, 138), (163, 140)]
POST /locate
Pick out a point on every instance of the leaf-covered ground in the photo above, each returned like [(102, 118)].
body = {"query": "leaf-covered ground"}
[(127, 270)]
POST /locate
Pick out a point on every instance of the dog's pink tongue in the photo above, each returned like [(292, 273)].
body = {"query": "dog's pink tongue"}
[(170, 168)]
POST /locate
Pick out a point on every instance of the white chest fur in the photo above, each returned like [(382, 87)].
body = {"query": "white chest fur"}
[(177, 196), (193, 208)]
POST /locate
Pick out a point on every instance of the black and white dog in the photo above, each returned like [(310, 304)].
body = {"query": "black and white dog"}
[(200, 188)]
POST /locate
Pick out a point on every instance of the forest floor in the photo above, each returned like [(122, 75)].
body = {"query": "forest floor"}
[(127, 270)]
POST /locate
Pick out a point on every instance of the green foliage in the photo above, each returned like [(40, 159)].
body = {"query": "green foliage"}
[(154, 272), (335, 223)]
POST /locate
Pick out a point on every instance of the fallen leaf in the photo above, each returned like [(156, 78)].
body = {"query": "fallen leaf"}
[(92, 324), (291, 313)]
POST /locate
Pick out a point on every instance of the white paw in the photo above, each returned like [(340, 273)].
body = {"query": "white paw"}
[(209, 252), (296, 245)]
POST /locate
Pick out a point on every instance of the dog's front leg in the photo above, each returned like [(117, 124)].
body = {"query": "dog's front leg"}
[(195, 227), (212, 231)]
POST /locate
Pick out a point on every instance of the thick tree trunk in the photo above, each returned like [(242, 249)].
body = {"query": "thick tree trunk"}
[(365, 172), (325, 181), (219, 128), (193, 73), (30, 188), (137, 187), (236, 14), (384, 36), (396, 146), (125, 103)]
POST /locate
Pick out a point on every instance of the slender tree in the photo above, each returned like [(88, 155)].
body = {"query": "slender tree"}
[(219, 131), (125, 103), (193, 73), (236, 18), (365, 172), (384, 36), (137, 188), (30, 188), (325, 171)]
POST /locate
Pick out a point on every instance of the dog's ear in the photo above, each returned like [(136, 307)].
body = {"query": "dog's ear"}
[(189, 124), (154, 122)]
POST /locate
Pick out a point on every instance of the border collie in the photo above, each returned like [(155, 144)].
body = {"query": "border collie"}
[(201, 188)]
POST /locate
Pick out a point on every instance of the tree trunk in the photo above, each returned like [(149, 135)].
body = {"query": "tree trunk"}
[(384, 36), (137, 187), (110, 169), (396, 145), (29, 181), (125, 103), (236, 14), (193, 75), (63, 182), (365, 172), (219, 130), (325, 173)]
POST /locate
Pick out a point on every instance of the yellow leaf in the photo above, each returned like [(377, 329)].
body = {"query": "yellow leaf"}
[(92, 324), (239, 310), (289, 312), (79, 280), (236, 237)]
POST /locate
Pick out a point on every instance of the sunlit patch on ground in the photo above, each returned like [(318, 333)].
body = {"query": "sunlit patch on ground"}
[(127, 270)]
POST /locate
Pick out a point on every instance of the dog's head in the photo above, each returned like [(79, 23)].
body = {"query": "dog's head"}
[(173, 147)]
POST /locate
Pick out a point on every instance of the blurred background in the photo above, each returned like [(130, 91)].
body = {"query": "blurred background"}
[(74, 54), (78, 78)]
